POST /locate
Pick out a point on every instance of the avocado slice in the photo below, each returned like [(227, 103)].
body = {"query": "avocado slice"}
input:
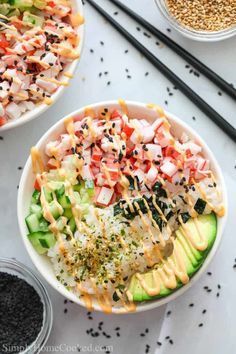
[(192, 258)]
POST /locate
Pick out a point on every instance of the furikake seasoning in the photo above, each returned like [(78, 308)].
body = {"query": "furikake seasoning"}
[(21, 314)]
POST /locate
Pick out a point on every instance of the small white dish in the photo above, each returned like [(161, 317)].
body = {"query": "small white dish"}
[(77, 6), (202, 36), (136, 110)]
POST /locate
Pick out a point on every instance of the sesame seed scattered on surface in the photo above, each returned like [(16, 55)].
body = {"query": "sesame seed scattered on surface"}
[(209, 273), (171, 341), (159, 343), (116, 13), (191, 305), (168, 313), (204, 311), (65, 310), (200, 325)]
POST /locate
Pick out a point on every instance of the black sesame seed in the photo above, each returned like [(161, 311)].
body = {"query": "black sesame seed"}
[(142, 335), (200, 325), (191, 305), (204, 311), (171, 341), (116, 13), (91, 51), (126, 51), (193, 118), (168, 313), (108, 83), (147, 73), (138, 29), (101, 59), (219, 286), (157, 43), (209, 273), (168, 30), (101, 42), (146, 330), (129, 76), (1, 137), (65, 310), (218, 294), (220, 93), (167, 337)]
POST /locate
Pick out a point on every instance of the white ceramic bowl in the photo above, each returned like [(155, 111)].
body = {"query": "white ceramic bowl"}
[(77, 6), (137, 110), (203, 36)]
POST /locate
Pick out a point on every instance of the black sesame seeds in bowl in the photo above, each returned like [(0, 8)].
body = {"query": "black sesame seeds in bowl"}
[(25, 309)]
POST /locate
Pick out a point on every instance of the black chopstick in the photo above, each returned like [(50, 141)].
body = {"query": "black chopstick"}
[(197, 64), (199, 102)]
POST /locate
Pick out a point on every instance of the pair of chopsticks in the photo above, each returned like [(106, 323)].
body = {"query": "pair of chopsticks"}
[(186, 90)]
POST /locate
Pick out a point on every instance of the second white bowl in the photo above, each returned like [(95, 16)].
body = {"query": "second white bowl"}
[(136, 110)]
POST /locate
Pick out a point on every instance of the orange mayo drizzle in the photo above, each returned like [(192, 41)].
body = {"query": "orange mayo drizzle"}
[(123, 106), (55, 81), (202, 244), (37, 162), (68, 74)]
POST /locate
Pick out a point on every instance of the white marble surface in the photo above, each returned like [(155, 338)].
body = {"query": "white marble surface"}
[(217, 335)]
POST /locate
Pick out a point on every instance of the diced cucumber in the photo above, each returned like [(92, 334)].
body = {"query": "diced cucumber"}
[(77, 197), (4, 9), (68, 213), (72, 224), (55, 185), (35, 197), (89, 186), (13, 12), (61, 222), (35, 224), (43, 225), (47, 194), (33, 19), (32, 223), (55, 209), (60, 191), (36, 209), (64, 200), (42, 241), (21, 4), (77, 187), (40, 4)]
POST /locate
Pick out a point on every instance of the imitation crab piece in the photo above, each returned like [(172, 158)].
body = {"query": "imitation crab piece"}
[(13, 111), (169, 168), (104, 196)]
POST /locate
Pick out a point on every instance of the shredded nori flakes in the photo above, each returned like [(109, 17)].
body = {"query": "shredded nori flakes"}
[(21, 313)]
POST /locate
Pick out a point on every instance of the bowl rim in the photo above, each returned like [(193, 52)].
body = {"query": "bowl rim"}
[(148, 305), (42, 107), (201, 36), (26, 272)]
